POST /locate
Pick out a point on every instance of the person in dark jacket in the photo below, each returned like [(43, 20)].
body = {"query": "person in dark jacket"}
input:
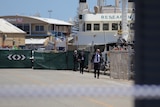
[(75, 60), (81, 59), (96, 60)]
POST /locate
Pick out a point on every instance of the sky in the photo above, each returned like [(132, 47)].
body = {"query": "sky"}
[(61, 9)]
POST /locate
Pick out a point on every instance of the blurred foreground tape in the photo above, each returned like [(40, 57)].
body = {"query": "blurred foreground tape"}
[(137, 91)]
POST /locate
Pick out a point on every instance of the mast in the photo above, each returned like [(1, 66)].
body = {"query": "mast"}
[(124, 20)]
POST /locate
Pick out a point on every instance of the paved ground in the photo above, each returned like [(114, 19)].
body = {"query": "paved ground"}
[(20, 81)]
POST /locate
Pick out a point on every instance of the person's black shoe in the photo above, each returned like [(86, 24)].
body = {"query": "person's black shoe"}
[(74, 70)]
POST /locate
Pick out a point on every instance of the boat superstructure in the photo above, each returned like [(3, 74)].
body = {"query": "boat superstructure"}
[(104, 24)]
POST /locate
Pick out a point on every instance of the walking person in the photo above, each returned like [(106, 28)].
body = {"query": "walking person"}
[(96, 60), (75, 60), (81, 59)]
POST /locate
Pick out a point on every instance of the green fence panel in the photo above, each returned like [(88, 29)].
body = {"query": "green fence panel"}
[(56, 61), (70, 59), (15, 59), (87, 58)]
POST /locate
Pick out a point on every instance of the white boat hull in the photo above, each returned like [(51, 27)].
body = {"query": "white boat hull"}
[(96, 38)]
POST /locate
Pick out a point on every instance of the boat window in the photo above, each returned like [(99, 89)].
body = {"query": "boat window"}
[(106, 26), (84, 27), (89, 26), (131, 26), (114, 26), (96, 26), (80, 16)]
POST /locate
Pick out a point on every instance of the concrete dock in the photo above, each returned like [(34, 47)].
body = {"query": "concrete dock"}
[(38, 88)]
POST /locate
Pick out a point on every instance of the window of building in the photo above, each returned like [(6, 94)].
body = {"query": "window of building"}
[(39, 28), (114, 26), (96, 26), (52, 27), (24, 27), (20, 26), (89, 26), (106, 26)]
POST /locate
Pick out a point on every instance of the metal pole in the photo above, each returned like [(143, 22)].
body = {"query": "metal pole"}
[(49, 11), (124, 19)]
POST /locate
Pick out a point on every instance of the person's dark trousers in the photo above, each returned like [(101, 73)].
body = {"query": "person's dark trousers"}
[(81, 67), (75, 66), (98, 74), (96, 68)]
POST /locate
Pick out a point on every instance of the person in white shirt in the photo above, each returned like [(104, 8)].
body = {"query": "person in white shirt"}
[(96, 59)]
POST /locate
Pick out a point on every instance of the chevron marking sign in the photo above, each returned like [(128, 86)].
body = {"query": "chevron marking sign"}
[(16, 57)]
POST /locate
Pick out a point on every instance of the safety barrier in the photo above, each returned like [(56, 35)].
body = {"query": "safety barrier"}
[(56, 61), (15, 59), (41, 60)]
